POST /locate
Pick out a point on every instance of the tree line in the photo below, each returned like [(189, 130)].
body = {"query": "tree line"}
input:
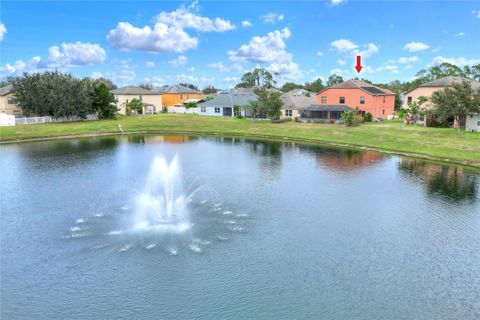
[(56, 94)]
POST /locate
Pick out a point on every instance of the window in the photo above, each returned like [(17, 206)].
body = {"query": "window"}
[(10, 100), (217, 110), (342, 100), (203, 109), (409, 100), (383, 99), (362, 100), (383, 111), (187, 97), (324, 100), (181, 96), (140, 98), (288, 113), (478, 123)]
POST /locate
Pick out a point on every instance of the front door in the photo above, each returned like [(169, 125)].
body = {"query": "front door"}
[(227, 112)]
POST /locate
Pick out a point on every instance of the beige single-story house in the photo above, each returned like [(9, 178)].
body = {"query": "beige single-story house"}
[(8, 104), (427, 89), (152, 101), (296, 100)]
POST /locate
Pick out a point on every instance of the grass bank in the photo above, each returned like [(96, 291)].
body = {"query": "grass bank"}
[(389, 136)]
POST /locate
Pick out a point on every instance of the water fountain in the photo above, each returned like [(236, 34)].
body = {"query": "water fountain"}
[(163, 204)]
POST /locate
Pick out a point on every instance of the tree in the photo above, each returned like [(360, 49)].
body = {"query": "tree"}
[(258, 77), (316, 86), (189, 85), (209, 90), (134, 105), (270, 103), (53, 94), (146, 85), (253, 106), (104, 102), (190, 104), (456, 102), (350, 118), (333, 80), (287, 86)]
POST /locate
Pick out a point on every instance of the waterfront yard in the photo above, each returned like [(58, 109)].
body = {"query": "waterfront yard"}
[(440, 143)]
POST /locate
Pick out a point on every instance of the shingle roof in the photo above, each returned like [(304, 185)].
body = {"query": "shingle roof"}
[(327, 107), (176, 88), (5, 90), (230, 99), (297, 99), (449, 82), (358, 84), (133, 90)]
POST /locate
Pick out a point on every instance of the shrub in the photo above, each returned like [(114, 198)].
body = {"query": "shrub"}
[(281, 120), (368, 117), (351, 119)]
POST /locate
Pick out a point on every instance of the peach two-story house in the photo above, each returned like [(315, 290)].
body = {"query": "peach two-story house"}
[(177, 95), (355, 93)]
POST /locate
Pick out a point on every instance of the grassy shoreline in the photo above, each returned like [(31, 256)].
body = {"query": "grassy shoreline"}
[(438, 144)]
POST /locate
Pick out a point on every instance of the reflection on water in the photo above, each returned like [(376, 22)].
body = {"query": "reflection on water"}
[(345, 159), (454, 183), (159, 139), (69, 147)]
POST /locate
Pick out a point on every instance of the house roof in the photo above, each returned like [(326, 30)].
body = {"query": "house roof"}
[(445, 82), (297, 99), (176, 88), (230, 99), (362, 85), (133, 90), (449, 82), (327, 107), (5, 90)]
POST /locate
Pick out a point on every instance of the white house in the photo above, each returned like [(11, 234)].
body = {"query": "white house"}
[(223, 105), (472, 123)]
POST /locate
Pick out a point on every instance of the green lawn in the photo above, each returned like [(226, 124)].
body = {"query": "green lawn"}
[(440, 143)]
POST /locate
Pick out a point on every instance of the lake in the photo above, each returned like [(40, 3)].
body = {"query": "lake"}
[(276, 230)]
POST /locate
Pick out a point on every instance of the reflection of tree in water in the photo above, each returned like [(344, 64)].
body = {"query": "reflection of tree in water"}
[(454, 183), (142, 139), (343, 159), (270, 153), (66, 147)]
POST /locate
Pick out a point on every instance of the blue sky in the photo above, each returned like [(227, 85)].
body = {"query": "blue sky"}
[(215, 42)]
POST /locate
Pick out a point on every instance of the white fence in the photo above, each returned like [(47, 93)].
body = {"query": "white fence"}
[(47, 119), (7, 119)]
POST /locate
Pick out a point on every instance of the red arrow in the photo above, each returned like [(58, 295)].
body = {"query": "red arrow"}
[(359, 64)]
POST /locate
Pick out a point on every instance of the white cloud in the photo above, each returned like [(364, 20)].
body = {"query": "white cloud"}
[(416, 46), (341, 62), (193, 79), (191, 69), (124, 74), (405, 60), (149, 64), (96, 75), (268, 48), (320, 53), (343, 45), (168, 33), (62, 57), (388, 68), (76, 54), (337, 2), (346, 46), (179, 61), (219, 66), (246, 24), (476, 13), (368, 52), (272, 17), (3, 31), (460, 61), (460, 34), (186, 17), (408, 67)]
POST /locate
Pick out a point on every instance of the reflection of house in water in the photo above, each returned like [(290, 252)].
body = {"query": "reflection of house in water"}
[(345, 159), (159, 139), (455, 183)]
